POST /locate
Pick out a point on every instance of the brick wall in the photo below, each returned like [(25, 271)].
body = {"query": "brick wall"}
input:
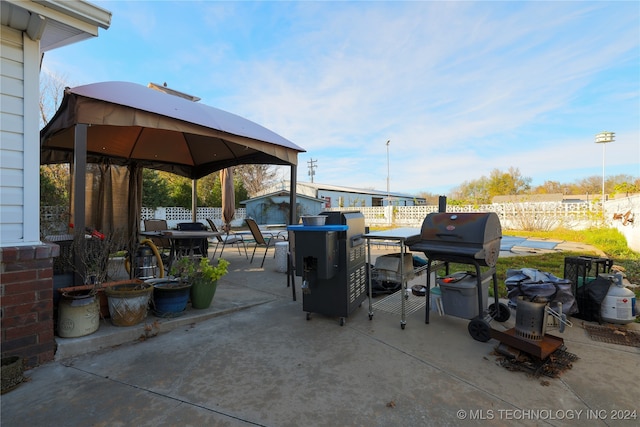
[(26, 292)]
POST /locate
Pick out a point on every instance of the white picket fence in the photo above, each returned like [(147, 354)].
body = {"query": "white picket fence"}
[(514, 216)]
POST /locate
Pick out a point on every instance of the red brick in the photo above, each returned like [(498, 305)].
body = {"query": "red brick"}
[(46, 273), (44, 305), (54, 249), (43, 284), (47, 251), (22, 320), (43, 264), (9, 254), (27, 253), (13, 345), (13, 275), (45, 316), (45, 295), (19, 299), (24, 331), (18, 309), (44, 357), (46, 336), (17, 288)]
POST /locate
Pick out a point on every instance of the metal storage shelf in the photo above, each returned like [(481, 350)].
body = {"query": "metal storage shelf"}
[(402, 236), (393, 304)]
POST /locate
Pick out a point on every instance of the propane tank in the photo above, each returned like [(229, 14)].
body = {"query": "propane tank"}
[(619, 306)]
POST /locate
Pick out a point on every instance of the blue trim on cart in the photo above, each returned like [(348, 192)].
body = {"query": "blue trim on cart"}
[(317, 227)]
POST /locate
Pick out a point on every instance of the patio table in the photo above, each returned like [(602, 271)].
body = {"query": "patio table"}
[(191, 238)]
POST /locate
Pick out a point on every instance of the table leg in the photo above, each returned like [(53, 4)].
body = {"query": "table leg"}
[(172, 254), (403, 287)]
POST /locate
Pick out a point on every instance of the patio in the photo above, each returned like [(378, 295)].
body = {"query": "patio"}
[(253, 359)]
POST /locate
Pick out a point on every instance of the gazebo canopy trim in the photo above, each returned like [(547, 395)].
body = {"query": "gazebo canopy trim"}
[(130, 123)]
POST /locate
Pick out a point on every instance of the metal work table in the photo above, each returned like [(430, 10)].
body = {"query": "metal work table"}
[(404, 237)]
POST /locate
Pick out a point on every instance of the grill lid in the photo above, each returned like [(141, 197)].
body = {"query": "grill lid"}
[(470, 235)]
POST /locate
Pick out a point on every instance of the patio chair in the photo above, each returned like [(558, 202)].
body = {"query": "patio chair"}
[(162, 243), (228, 239), (260, 239), (192, 246)]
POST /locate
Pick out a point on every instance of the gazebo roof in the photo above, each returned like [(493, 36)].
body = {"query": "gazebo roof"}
[(130, 123)]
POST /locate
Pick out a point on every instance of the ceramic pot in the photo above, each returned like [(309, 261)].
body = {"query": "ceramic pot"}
[(170, 297), (128, 303), (202, 292), (78, 314)]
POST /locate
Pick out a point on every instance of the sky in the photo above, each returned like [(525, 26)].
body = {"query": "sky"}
[(458, 88)]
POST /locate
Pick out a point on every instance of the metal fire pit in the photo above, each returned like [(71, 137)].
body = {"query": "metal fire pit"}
[(541, 349), (465, 238), (529, 334)]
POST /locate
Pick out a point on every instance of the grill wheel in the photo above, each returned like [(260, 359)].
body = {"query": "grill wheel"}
[(479, 329)]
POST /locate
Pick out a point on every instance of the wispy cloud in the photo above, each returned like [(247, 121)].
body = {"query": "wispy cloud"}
[(460, 88)]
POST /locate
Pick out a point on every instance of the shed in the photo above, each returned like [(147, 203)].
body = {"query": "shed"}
[(273, 208)]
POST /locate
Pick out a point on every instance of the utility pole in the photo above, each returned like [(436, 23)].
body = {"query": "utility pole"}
[(388, 195), (312, 168)]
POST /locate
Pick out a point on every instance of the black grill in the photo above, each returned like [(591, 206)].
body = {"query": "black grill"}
[(467, 238), (475, 236)]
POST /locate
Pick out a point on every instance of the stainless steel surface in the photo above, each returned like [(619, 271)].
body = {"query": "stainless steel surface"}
[(531, 320), (313, 219), (393, 303)]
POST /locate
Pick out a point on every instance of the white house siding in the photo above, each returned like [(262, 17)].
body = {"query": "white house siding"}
[(19, 174)]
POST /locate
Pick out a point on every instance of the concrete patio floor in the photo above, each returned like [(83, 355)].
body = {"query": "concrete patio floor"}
[(254, 359)]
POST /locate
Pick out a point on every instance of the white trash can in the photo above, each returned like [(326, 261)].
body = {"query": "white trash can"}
[(281, 256)]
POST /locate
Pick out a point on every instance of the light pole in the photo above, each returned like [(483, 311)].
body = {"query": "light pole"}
[(388, 196), (604, 138)]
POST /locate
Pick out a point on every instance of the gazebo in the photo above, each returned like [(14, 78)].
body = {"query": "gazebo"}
[(119, 128)]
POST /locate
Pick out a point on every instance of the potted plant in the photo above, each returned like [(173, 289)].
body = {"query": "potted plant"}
[(171, 294), (79, 308), (204, 281), (128, 301)]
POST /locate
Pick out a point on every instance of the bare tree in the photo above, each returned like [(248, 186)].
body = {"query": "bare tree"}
[(54, 179), (256, 177), (51, 93)]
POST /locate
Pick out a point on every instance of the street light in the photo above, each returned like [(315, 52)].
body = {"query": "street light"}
[(604, 138), (388, 196)]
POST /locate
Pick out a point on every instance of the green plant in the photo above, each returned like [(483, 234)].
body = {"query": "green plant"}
[(184, 268), (187, 268), (210, 272)]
